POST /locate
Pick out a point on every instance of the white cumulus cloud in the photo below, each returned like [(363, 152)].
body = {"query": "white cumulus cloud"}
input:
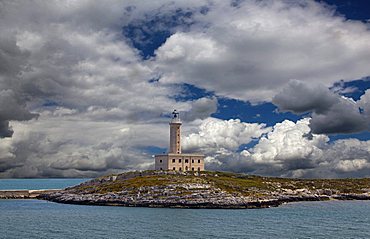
[(77, 99), (249, 50), (215, 135)]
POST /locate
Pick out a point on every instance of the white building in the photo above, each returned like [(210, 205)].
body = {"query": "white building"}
[(174, 159)]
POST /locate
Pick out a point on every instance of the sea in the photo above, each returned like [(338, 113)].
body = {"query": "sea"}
[(43, 219)]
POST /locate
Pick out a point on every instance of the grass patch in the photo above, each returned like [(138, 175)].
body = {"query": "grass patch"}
[(229, 182)]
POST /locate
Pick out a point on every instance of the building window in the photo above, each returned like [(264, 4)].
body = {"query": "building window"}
[(174, 168), (160, 168), (192, 161), (173, 160), (186, 160), (179, 160), (180, 169), (186, 168), (192, 169), (198, 160), (160, 160)]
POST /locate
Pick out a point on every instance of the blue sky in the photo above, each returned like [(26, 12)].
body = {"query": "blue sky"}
[(356, 10), (277, 88), (264, 112)]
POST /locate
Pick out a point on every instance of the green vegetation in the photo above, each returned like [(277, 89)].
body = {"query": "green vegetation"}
[(239, 184)]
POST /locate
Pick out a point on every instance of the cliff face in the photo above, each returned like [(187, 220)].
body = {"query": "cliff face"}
[(206, 190)]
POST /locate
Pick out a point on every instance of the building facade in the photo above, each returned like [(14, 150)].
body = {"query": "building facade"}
[(174, 159)]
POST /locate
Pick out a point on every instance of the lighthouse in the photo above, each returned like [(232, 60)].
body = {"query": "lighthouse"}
[(176, 160), (175, 133)]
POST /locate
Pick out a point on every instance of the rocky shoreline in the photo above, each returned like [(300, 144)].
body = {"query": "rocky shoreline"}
[(206, 203), (206, 190), (24, 194)]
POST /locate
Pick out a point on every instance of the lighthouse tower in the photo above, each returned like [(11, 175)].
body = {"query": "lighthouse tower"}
[(175, 134), (175, 159)]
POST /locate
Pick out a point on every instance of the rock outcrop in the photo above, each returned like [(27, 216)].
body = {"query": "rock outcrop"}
[(24, 194), (206, 190)]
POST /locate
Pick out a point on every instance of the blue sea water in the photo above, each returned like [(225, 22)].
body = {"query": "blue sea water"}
[(40, 183), (42, 219)]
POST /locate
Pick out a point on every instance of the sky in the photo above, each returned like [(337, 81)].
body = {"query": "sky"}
[(275, 88)]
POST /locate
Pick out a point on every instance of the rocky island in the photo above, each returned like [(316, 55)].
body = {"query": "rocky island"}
[(206, 190)]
